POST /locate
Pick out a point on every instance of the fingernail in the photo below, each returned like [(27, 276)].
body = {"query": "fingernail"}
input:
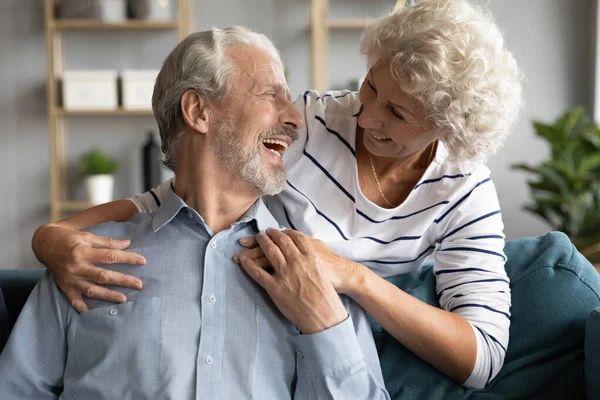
[(137, 285), (244, 241), (122, 299), (236, 259), (141, 261)]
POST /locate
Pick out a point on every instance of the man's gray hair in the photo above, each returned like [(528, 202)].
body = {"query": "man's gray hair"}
[(199, 62)]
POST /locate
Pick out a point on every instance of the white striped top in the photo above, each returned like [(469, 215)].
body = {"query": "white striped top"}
[(453, 213)]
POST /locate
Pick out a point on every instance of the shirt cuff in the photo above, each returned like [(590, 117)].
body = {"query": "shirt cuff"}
[(326, 352)]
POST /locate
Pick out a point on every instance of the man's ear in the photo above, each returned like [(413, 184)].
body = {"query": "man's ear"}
[(195, 110)]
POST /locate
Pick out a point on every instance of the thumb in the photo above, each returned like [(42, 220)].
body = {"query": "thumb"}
[(107, 243)]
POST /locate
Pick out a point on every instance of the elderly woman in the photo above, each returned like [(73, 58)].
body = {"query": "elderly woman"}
[(381, 180)]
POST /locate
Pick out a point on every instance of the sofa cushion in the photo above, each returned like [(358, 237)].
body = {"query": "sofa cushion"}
[(4, 322), (554, 288), (592, 355), (16, 285)]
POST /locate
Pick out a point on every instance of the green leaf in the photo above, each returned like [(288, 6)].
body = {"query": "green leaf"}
[(97, 162), (569, 120)]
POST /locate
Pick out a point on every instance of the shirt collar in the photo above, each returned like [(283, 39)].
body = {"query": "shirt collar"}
[(172, 204)]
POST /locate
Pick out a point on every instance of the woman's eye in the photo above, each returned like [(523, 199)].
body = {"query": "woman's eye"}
[(395, 113)]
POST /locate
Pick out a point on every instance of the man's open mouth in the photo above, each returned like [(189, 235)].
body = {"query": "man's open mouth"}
[(275, 146)]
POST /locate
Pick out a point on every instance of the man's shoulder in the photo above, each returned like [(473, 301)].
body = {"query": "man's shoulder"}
[(138, 225)]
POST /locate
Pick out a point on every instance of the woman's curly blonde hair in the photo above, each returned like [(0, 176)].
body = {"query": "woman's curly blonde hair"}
[(455, 63)]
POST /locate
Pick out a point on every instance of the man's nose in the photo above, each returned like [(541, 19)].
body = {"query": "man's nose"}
[(291, 117)]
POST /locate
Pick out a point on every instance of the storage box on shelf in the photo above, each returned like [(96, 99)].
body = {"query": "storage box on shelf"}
[(90, 90), (137, 87), (84, 101)]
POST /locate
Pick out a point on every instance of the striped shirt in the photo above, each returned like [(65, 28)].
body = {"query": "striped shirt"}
[(452, 214)]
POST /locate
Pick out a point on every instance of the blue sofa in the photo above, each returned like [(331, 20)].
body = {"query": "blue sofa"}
[(554, 350)]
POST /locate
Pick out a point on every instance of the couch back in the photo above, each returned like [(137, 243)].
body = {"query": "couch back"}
[(554, 290)]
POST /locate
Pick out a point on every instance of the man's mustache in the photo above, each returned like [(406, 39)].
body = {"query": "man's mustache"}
[(280, 131)]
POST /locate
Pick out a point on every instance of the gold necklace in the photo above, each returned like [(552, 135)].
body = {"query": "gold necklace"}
[(433, 146)]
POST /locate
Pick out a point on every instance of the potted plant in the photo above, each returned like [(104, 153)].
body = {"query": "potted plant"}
[(566, 187), (98, 168)]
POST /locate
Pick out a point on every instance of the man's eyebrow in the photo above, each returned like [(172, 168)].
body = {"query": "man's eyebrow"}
[(278, 87)]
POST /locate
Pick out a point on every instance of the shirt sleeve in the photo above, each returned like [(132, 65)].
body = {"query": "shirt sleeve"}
[(33, 361), (340, 362), (150, 201), (470, 277)]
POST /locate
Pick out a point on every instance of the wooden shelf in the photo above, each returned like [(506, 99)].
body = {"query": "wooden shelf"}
[(100, 113), (83, 24), (69, 206), (347, 23)]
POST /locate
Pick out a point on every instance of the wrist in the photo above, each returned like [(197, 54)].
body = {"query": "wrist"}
[(355, 280)]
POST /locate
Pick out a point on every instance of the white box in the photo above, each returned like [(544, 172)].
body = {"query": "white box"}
[(90, 90), (138, 85)]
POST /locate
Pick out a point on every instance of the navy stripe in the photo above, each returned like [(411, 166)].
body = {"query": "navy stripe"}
[(400, 216), (472, 222), (477, 281), (357, 114), (155, 198), (475, 250), (305, 95), (449, 271), (481, 306), (400, 238), (335, 97), (486, 237), (437, 221), (440, 178), (493, 338), (490, 353), (457, 295), (340, 231), (319, 212), (344, 141), (362, 214), (287, 217), (329, 176), (402, 262)]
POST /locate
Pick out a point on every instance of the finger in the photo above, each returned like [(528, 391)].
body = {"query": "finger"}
[(248, 242), (271, 250), (252, 253), (284, 242), (108, 277), (100, 293), (262, 277), (106, 242), (303, 242), (111, 256), (75, 299)]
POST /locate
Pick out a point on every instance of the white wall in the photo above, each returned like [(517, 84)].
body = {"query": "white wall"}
[(551, 39)]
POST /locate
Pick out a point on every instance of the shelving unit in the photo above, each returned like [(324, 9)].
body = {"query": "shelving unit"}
[(55, 28), (320, 25)]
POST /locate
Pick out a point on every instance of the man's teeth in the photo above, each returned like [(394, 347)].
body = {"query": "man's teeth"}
[(275, 141), (275, 152)]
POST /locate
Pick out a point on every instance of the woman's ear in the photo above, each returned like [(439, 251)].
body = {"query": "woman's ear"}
[(195, 111)]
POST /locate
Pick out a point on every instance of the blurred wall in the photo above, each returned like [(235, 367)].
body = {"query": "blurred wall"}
[(551, 39)]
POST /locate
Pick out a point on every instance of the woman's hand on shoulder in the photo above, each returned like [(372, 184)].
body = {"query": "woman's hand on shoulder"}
[(70, 256)]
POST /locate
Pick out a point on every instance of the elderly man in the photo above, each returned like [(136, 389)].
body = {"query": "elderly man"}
[(202, 327)]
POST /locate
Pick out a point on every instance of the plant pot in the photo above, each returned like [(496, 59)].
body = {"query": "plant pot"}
[(100, 188), (104, 10)]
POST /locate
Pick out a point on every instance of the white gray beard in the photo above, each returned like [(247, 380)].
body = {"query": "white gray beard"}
[(237, 157)]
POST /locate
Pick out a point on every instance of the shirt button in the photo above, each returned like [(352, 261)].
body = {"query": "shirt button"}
[(209, 360), (212, 298), (213, 245), (190, 215), (114, 311), (300, 355)]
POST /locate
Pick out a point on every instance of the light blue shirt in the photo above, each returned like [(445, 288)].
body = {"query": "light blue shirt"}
[(200, 328)]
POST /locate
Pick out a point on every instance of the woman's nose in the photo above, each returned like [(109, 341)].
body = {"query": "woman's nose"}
[(369, 117)]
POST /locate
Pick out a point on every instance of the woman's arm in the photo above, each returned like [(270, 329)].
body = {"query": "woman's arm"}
[(70, 254)]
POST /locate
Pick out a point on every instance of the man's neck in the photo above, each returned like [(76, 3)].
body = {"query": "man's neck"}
[(219, 195)]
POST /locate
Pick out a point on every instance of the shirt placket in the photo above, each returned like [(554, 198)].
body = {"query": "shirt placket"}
[(210, 350)]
